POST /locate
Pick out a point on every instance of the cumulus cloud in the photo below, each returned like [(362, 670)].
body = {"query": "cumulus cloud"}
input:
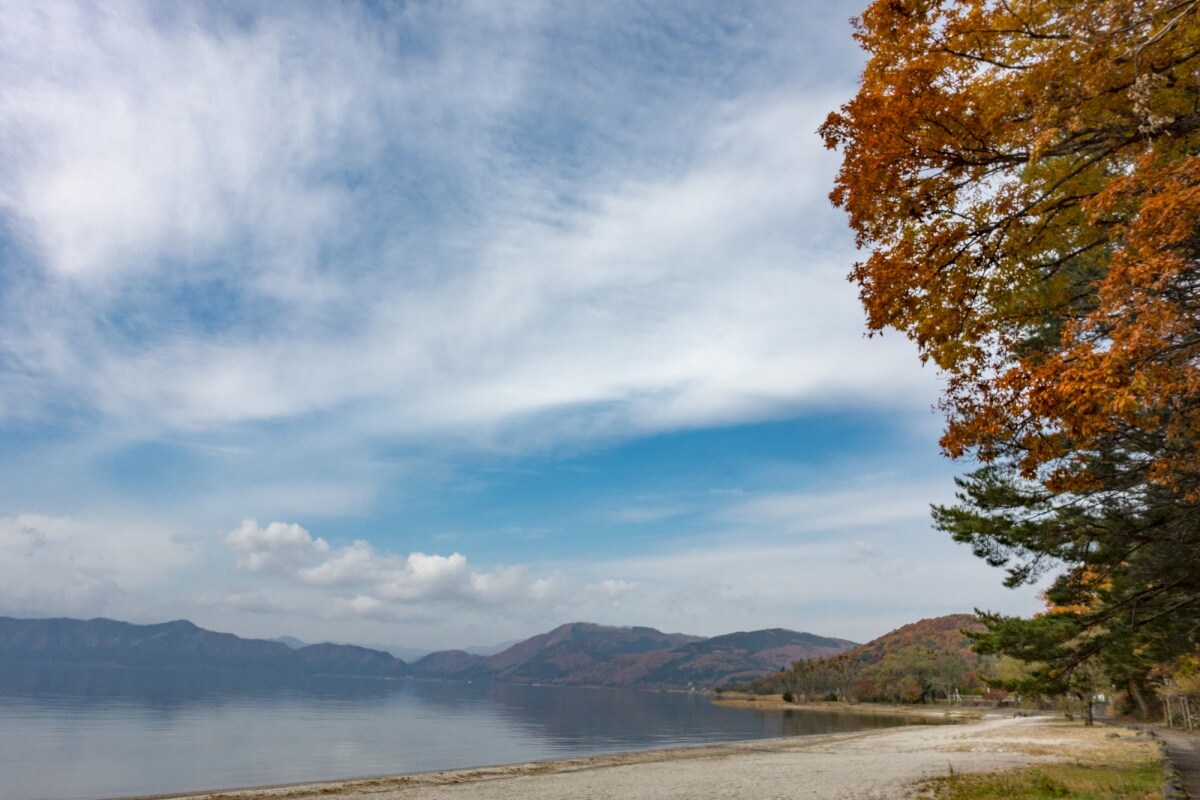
[(357, 581), (278, 547)]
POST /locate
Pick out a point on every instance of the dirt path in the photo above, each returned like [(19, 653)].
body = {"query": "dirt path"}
[(1184, 752), (876, 765)]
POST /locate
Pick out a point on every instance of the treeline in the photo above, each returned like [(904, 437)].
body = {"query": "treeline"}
[(925, 661), (933, 660), (912, 674)]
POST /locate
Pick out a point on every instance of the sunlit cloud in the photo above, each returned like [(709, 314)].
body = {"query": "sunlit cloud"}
[(356, 580)]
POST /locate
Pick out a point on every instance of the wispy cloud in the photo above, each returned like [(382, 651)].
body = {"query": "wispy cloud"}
[(65, 566), (833, 511), (245, 199), (313, 263)]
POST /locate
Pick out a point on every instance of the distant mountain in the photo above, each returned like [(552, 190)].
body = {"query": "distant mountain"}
[(456, 665), (180, 645), (489, 649), (350, 660), (779, 646), (737, 656), (573, 648), (586, 654), (578, 653), (409, 654), (290, 641), (706, 663)]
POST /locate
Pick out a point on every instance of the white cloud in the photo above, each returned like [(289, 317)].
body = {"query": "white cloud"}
[(59, 565), (167, 140), (356, 581), (278, 547), (626, 316), (871, 504), (850, 561), (719, 586), (648, 513), (323, 241), (190, 157), (135, 135)]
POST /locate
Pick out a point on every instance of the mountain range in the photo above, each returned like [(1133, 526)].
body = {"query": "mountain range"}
[(578, 653), (180, 645)]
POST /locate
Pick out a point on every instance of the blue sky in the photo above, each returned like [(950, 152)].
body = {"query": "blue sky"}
[(444, 323)]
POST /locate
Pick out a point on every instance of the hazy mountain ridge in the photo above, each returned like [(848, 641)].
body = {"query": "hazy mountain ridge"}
[(586, 654), (409, 654), (577, 653), (182, 645), (290, 641), (705, 663), (452, 665), (562, 654)]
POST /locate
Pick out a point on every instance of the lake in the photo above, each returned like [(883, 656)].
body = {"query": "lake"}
[(70, 733)]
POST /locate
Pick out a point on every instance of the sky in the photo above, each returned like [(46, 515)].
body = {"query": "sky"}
[(439, 324)]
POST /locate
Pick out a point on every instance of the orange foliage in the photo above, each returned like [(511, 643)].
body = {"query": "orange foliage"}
[(940, 634), (1026, 179), (1088, 584)]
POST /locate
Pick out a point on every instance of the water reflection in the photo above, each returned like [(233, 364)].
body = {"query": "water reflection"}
[(68, 733), (176, 688)]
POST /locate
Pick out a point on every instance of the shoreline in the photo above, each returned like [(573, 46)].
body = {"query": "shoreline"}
[(774, 702), (881, 763)]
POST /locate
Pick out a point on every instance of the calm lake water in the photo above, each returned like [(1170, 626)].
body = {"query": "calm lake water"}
[(71, 734)]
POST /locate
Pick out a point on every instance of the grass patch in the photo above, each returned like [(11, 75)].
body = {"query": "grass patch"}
[(1128, 781)]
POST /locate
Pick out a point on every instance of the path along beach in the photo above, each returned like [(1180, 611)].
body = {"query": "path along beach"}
[(879, 764)]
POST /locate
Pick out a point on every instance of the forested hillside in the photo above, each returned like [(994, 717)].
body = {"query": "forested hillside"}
[(926, 660)]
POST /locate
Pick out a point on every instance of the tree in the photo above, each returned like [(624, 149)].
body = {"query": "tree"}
[(1056, 648), (905, 675), (1124, 597), (843, 670), (806, 677), (1025, 177), (949, 672)]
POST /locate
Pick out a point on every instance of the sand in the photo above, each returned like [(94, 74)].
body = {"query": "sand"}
[(881, 764)]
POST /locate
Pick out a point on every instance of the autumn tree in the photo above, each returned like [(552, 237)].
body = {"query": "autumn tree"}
[(1024, 178), (904, 675)]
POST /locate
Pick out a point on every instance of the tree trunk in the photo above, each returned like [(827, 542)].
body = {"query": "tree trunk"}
[(1135, 692)]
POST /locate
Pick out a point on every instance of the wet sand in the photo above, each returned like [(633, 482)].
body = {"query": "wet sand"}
[(879, 764)]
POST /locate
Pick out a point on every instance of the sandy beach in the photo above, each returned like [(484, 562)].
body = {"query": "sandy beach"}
[(879, 764)]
